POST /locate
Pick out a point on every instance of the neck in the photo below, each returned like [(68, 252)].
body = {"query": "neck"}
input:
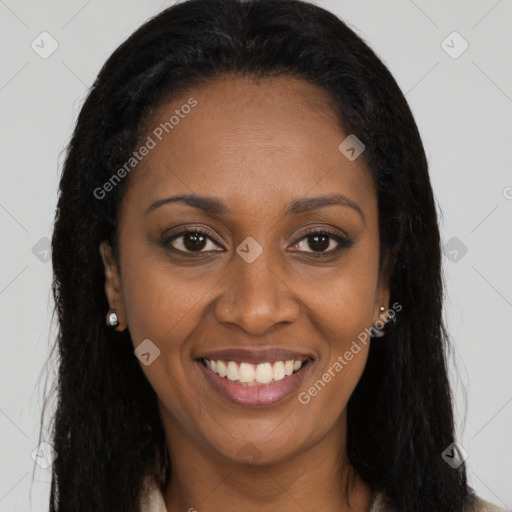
[(318, 478)]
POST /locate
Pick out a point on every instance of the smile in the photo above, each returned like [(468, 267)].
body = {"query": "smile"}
[(253, 374), (255, 385)]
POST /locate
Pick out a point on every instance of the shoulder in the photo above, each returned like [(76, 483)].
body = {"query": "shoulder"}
[(152, 499), (481, 505), (380, 504)]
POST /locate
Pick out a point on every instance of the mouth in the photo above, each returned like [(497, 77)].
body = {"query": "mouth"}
[(248, 374), (252, 384)]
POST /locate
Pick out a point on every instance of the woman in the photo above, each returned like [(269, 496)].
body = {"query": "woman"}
[(247, 200)]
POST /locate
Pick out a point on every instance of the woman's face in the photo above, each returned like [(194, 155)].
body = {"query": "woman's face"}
[(258, 286)]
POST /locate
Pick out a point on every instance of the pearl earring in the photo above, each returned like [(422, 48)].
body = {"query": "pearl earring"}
[(112, 320), (376, 332)]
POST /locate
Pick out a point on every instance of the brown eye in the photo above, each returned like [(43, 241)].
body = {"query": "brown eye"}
[(191, 241), (319, 242), (323, 243)]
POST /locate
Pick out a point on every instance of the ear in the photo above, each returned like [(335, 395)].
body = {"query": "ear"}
[(383, 293), (113, 287)]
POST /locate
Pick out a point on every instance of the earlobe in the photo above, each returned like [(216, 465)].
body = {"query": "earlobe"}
[(113, 289)]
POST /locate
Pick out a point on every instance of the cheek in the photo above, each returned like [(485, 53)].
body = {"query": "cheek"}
[(160, 307), (342, 309), (342, 304), (161, 302), (343, 359), (328, 395)]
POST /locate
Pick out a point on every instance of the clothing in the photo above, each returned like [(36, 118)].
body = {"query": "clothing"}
[(378, 505), (154, 502)]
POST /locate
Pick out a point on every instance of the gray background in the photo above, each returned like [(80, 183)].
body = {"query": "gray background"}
[(463, 107)]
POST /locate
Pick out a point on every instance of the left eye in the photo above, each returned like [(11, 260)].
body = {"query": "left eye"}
[(322, 242)]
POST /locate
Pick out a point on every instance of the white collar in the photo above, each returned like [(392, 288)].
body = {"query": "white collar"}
[(153, 499)]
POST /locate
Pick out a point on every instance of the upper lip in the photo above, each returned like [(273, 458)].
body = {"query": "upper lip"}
[(255, 356)]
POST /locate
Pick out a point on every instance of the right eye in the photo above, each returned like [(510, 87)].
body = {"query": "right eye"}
[(191, 241)]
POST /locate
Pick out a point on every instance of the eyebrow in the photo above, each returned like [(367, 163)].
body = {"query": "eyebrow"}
[(218, 207)]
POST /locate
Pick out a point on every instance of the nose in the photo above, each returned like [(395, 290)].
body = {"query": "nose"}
[(255, 297)]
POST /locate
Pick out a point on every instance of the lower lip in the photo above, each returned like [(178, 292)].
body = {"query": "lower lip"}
[(261, 395)]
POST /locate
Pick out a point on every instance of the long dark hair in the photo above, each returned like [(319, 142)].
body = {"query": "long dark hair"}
[(107, 430)]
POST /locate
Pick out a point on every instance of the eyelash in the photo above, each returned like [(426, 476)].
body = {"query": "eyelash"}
[(343, 242)]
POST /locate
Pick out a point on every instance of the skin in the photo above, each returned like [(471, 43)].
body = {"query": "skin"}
[(257, 146)]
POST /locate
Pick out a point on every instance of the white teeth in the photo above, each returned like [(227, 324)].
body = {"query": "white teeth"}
[(252, 374), (246, 372), (221, 367), (232, 373), (264, 373), (279, 370)]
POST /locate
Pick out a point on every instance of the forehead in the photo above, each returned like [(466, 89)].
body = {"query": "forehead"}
[(249, 141)]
